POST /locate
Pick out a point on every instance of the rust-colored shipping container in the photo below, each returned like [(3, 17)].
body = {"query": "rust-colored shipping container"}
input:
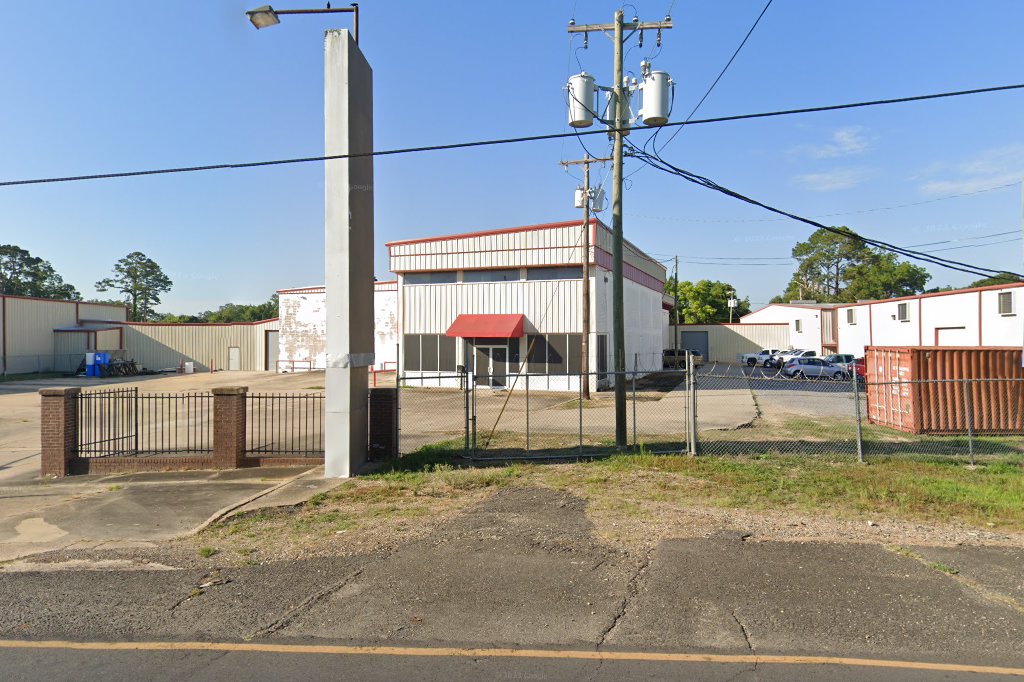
[(922, 389)]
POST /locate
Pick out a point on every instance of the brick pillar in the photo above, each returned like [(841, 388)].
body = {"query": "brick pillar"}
[(58, 429), (229, 427), (383, 423)]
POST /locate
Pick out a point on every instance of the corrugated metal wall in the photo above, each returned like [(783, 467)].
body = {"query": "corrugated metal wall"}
[(548, 246), (549, 306), (108, 313), (70, 343), (726, 342), (108, 339), (161, 346)]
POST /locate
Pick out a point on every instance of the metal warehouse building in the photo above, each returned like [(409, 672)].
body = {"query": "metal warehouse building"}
[(489, 301), (44, 335)]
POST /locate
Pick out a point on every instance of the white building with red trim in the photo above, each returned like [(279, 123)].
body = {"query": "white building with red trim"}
[(977, 317), (983, 316), (504, 302)]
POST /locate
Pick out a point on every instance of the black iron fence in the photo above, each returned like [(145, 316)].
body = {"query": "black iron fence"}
[(285, 424), (123, 421)]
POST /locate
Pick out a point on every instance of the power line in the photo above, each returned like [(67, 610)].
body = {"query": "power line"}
[(720, 74), (831, 215), (500, 141), (661, 164)]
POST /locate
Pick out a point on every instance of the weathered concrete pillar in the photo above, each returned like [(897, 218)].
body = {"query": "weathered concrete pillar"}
[(348, 188), (58, 429), (229, 427)]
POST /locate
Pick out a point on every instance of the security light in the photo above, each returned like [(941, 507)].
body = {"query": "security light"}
[(261, 17)]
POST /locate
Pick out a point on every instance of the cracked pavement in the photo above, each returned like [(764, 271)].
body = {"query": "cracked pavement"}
[(525, 568)]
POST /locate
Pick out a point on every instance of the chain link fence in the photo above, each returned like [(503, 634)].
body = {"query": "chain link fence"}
[(718, 410)]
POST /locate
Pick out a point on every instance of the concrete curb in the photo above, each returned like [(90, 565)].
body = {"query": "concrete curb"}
[(222, 513)]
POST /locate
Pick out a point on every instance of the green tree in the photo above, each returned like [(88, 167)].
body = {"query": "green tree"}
[(704, 301), (141, 281), (234, 312), (834, 268), (22, 274), (1001, 278)]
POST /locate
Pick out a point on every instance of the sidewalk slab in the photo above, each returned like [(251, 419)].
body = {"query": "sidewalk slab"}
[(41, 517)]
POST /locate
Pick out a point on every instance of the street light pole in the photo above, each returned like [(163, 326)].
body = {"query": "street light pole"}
[(348, 242), (265, 16)]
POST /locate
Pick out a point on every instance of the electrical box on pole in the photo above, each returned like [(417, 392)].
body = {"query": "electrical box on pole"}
[(656, 91), (582, 94)]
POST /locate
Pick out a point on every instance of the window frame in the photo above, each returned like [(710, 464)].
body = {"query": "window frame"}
[(851, 316), (1010, 311), (903, 312), (798, 326)]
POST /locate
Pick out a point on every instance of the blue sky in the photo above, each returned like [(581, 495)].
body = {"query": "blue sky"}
[(132, 85)]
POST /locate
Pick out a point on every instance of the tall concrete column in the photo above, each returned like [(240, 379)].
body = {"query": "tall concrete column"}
[(348, 187)]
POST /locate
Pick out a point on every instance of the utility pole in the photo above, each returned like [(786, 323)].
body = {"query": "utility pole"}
[(675, 312), (618, 27), (585, 350)]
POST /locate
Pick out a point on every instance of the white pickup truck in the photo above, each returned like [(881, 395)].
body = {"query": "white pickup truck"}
[(761, 358)]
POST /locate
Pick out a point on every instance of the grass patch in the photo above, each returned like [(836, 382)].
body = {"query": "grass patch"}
[(31, 377), (114, 488), (942, 568), (312, 388), (206, 552)]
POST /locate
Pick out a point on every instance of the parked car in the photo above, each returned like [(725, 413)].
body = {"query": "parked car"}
[(844, 360), (860, 366), (760, 358), (780, 359), (677, 357), (813, 368)]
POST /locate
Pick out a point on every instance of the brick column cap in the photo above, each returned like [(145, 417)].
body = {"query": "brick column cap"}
[(60, 392), (230, 390)]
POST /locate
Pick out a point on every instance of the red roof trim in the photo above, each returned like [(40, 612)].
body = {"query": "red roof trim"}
[(488, 233), (198, 324), (991, 287), (61, 300)]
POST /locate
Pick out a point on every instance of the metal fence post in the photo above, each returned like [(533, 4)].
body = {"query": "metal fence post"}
[(465, 400), (692, 381), (472, 418), (581, 415), (527, 377), (856, 407), (968, 407), (634, 402)]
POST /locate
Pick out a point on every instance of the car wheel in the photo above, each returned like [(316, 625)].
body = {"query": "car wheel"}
[(838, 376), (799, 375), (751, 362)]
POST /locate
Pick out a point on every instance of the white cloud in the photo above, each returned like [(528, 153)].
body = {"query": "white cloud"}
[(845, 142), (828, 181), (990, 168)]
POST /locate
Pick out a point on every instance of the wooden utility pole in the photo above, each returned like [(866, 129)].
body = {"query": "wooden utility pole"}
[(618, 27), (675, 311), (585, 350)]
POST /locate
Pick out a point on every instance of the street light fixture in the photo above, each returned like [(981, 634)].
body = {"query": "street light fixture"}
[(265, 16)]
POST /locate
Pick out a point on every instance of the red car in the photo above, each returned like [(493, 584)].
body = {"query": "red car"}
[(861, 368)]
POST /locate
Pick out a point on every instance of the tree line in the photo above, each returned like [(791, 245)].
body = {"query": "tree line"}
[(830, 268), (138, 280)]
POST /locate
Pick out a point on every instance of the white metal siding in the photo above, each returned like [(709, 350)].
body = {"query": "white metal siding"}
[(549, 306), (108, 339)]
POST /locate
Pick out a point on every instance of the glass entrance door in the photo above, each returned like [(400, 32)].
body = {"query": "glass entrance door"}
[(491, 365)]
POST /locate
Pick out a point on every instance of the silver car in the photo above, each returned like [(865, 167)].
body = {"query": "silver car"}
[(813, 368)]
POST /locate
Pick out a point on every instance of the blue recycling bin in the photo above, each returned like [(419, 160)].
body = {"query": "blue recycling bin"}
[(102, 359)]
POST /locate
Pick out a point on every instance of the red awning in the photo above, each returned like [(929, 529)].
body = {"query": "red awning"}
[(487, 326)]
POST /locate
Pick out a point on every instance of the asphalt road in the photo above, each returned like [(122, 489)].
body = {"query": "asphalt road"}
[(244, 666)]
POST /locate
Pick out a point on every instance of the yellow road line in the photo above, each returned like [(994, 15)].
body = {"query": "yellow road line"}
[(460, 652)]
